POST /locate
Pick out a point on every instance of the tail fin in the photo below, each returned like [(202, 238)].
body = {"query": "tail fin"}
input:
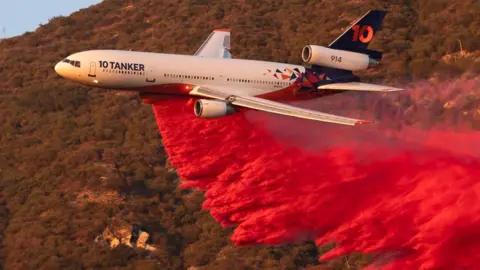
[(361, 33)]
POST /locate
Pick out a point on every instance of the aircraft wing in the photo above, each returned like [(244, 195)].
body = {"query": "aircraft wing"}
[(358, 86), (271, 106), (217, 45)]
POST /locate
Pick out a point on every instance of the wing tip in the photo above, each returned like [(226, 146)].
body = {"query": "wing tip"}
[(363, 122), (223, 30), (394, 89)]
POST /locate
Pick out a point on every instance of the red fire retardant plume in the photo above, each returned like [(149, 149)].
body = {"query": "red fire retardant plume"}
[(410, 197)]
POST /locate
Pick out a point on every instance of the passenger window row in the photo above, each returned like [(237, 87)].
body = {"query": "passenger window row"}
[(115, 71), (72, 62), (179, 76), (257, 81)]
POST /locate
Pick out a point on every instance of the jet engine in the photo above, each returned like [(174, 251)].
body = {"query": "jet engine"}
[(346, 60), (212, 108)]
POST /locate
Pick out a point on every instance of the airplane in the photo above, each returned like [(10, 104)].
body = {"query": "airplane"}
[(222, 84)]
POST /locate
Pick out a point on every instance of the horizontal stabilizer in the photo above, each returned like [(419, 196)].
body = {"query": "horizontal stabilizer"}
[(358, 86)]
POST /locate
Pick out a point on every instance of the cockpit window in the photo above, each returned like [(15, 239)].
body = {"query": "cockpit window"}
[(72, 62)]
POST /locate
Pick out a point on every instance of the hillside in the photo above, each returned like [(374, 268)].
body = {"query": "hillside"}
[(73, 157)]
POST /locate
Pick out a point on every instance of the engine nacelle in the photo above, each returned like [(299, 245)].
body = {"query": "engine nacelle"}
[(346, 60), (212, 108)]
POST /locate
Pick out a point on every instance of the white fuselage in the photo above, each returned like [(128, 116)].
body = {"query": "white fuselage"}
[(157, 72)]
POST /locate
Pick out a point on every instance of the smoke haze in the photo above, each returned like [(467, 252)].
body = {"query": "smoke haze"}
[(404, 189)]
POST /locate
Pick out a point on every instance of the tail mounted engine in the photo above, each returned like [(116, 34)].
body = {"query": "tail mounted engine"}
[(340, 59)]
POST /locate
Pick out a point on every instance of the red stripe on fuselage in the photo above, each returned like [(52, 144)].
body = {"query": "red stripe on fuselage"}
[(167, 89)]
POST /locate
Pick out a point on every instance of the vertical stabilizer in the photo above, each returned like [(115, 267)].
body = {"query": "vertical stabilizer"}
[(361, 33)]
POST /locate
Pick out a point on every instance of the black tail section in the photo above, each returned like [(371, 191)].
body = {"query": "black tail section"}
[(361, 33)]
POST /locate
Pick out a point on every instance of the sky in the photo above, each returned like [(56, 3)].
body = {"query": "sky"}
[(20, 16)]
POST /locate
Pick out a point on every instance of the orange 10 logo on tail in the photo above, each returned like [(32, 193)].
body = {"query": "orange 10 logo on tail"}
[(359, 33)]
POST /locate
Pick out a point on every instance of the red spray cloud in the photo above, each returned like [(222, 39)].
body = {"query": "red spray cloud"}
[(411, 194)]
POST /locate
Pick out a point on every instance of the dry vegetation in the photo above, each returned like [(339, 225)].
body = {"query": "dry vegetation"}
[(59, 140)]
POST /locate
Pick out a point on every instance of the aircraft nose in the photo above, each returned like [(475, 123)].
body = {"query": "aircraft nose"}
[(60, 69)]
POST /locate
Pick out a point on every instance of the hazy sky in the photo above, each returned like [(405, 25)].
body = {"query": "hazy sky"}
[(19, 16)]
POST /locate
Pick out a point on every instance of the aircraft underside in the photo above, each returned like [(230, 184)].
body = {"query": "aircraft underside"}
[(156, 93)]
